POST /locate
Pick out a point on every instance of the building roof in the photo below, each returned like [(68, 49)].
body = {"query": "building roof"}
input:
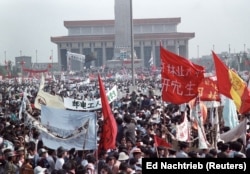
[(69, 24), (139, 37)]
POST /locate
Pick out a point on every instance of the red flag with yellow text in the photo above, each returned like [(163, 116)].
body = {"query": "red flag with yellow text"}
[(232, 86), (109, 128), (180, 78)]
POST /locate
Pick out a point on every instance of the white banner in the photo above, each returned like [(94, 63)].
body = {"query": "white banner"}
[(44, 98), (70, 129), (42, 82), (235, 133), (75, 56), (73, 85), (182, 130), (81, 105)]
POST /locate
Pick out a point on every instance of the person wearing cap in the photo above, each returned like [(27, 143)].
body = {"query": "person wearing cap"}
[(20, 156), (61, 154), (137, 154), (10, 167), (43, 162)]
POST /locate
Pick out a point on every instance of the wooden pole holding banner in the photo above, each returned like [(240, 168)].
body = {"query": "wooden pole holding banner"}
[(157, 153), (84, 143), (216, 127)]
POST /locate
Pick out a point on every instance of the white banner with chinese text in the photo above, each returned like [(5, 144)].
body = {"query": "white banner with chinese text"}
[(89, 105)]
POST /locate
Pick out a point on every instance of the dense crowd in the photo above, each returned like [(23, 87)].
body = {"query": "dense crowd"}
[(140, 114)]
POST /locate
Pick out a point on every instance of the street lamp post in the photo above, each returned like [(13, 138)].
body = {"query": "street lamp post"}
[(52, 62)]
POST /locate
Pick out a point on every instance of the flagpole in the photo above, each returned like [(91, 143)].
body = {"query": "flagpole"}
[(216, 127), (52, 63), (211, 120), (36, 57), (157, 153), (5, 56), (132, 43)]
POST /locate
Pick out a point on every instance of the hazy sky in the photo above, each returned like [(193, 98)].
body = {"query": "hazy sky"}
[(27, 25)]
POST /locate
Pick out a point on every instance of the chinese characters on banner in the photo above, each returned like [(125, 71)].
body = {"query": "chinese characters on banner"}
[(180, 78), (83, 105), (208, 90)]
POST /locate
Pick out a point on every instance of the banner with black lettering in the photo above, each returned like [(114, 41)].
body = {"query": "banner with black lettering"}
[(83, 105)]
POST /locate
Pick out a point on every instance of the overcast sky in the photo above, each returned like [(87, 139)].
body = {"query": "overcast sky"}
[(27, 25)]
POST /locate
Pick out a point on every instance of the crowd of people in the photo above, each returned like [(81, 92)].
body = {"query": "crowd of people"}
[(140, 114)]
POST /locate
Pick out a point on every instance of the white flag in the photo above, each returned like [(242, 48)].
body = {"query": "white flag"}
[(151, 60), (182, 130)]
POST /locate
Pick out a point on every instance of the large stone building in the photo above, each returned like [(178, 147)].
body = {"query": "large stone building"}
[(109, 37)]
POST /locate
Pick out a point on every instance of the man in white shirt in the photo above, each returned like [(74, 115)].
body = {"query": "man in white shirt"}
[(61, 153)]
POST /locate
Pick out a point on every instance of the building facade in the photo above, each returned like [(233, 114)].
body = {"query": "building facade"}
[(25, 61), (108, 38)]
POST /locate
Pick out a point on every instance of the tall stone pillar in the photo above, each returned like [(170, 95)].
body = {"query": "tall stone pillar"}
[(122, 26)]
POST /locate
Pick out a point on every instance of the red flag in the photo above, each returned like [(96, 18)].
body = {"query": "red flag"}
[(109, 128), (232, 86), (180, 78), (161, 142), (208, 90)]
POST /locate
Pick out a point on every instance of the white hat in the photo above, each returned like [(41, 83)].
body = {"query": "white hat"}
[(123, 156), (39, 170), (84, 163)]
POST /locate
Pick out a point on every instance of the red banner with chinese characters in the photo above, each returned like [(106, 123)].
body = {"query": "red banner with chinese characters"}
[(180, 78), (208, 90)]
